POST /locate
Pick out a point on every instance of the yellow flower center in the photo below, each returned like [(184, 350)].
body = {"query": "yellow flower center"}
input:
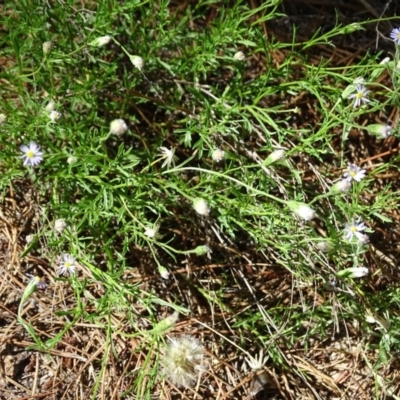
[(353, 229), (30, 154), (359, 95), (67, 264)]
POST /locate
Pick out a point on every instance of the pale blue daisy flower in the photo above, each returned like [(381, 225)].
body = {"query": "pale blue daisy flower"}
[(395, 35), (32, 154), (360, 96)]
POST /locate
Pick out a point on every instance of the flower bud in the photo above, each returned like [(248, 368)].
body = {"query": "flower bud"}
[(167, 323), (29, 238), (239, 56), (2, 118), (355, 272), (51, 105), (201, 207), (343, 186), (379, 130), (100, 41), (118, 127), (71, 160), (201, 250), (54, 115), (386, 60), (59, 225), (302, 210), (47, 47), (353, 27), (275, 156), (137, 61), (325, 246), (164, 273)]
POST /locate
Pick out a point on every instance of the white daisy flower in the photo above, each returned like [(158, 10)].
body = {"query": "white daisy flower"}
[(218, 155), (67, 265), (360, 96), (354, 173), (355, 228), (257, 363), (118, 127), (152, 231), (32, 154), (54, 115), (168, 155), (37, 281), (395, 35)]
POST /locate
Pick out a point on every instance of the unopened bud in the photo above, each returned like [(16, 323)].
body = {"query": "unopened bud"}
[(118, 127), (137, 61), (47, 47), (100, 41), (201, 206), (275, 156)]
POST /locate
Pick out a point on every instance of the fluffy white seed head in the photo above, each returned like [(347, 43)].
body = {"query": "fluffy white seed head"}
[(184, 361)]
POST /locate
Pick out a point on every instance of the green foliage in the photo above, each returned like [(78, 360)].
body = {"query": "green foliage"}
[(192, 95)]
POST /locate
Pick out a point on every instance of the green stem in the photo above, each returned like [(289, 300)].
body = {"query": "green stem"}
[(260, 192)]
